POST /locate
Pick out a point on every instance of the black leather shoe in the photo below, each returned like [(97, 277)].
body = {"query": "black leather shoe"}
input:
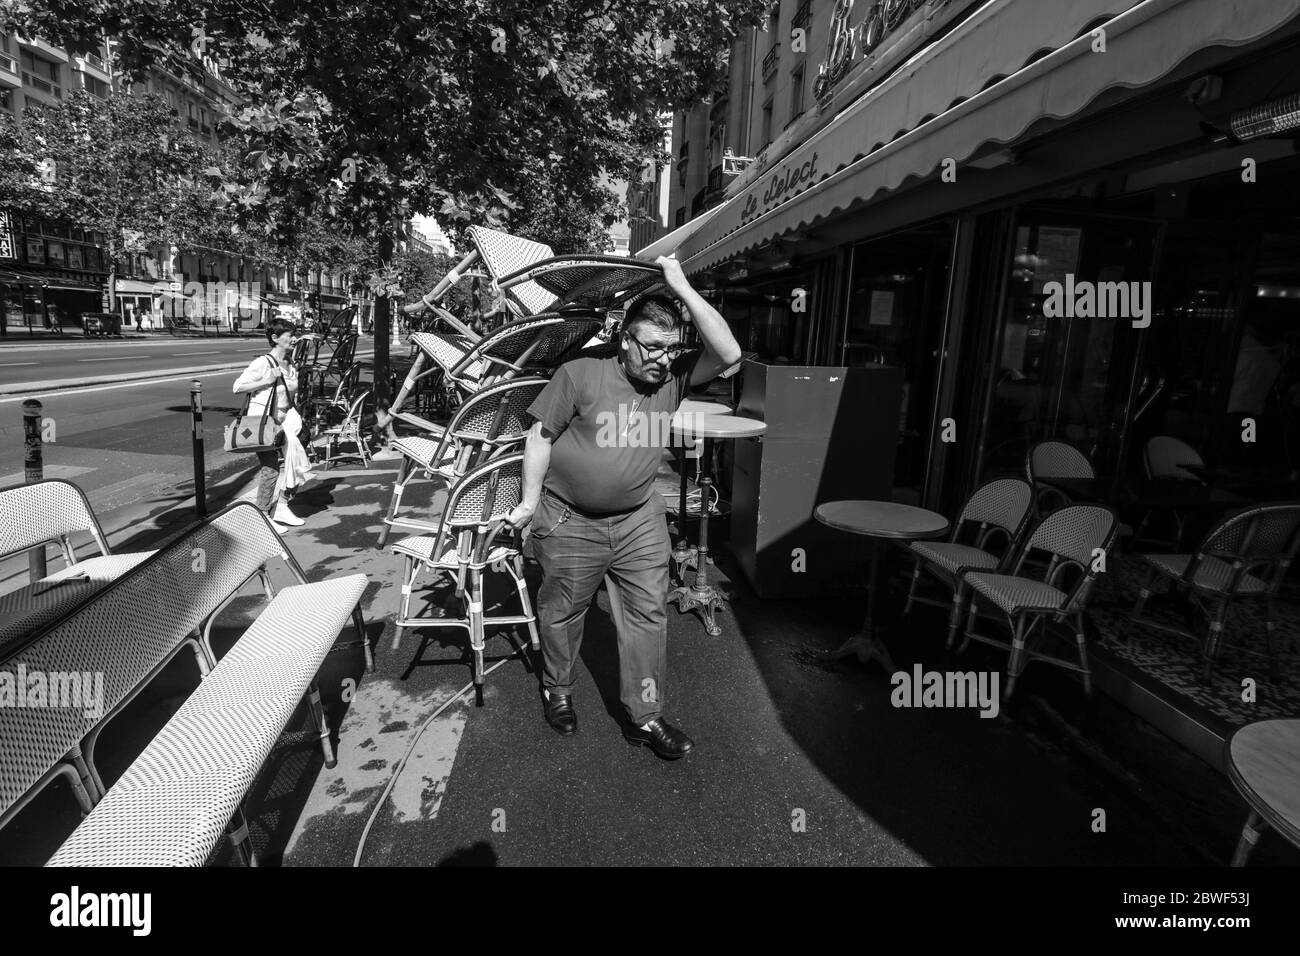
[(662, 737), (560, 714)]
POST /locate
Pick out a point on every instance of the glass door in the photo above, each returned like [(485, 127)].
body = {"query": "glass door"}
[(1079, 292)]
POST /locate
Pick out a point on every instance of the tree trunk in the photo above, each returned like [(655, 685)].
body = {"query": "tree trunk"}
[(112, 287), (383, 313)]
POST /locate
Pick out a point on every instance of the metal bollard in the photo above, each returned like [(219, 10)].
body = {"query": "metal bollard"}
[(34, 471), (196, 428)]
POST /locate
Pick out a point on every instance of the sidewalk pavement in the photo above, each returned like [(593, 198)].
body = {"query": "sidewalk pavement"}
[(798, 760)]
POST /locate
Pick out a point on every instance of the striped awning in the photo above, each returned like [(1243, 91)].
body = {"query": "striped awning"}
[(983, 83)]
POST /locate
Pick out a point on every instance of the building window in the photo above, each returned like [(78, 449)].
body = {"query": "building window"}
[(94, 86), (41, 74), (6, 100), (796, 94), (767, 123)]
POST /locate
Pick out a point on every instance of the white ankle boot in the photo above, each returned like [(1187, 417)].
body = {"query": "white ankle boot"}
[(284, 516)]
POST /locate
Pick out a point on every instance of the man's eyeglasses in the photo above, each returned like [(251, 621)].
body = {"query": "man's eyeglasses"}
[(654, 354)]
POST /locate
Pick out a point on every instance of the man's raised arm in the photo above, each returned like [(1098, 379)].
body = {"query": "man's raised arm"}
[(721, 350)]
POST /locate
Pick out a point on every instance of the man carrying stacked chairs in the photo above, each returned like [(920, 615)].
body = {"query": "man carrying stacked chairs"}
[(503, 379)]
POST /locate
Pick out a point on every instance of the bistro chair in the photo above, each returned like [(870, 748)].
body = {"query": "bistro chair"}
[(998, 508), (467, 365), (465, 546), (45, 512), (500, 254), (1073, 539), (323, 408), (489, 422), (596, 281), (1244, 558), (1054, 459), (327, 374), (577, 330), (348, 430), (1163, 459)]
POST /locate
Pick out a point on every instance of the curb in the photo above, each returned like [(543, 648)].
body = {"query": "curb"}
[(24, 388)]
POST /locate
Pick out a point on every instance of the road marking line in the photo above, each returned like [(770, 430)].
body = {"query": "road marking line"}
[(87, 389), (115, 358), (213, 352), (12, 364)]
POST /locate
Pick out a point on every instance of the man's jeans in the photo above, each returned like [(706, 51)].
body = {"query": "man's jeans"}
[(575, 554)]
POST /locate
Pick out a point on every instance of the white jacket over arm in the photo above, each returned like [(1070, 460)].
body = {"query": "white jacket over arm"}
[(262, 370)]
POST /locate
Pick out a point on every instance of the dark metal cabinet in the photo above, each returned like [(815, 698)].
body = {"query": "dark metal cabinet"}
[(831, 434)]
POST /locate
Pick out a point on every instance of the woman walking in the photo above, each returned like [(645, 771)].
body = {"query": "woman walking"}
[(259, 378)]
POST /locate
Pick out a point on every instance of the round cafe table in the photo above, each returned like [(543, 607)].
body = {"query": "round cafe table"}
[(886, 521), (1263, 761), (711, 428), (684, 555)]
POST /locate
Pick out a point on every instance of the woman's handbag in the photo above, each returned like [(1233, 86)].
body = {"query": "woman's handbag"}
[(259, 432)]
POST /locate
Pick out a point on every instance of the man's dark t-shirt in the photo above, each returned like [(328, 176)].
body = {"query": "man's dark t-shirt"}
[(610, 429)]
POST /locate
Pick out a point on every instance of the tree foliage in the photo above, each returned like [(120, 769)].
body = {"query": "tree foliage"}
[(450, 107), (119, 167)]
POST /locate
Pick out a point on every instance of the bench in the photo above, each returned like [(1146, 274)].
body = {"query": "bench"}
[(173, 803)]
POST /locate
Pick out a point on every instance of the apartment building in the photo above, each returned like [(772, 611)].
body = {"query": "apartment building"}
[(51, 272)]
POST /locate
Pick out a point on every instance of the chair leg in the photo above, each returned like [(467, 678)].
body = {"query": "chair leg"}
[(359, 622), (1270, 635), (1214, 640), (1083, 653), (911, 591), (399, 486), (516, 568), (476, 635), (1017, 663), (460, 582), (954, 613), (1144, 592), (408, 585), (970, 628), (318, 718), (84, 763), (1250, 835), (237, 830)]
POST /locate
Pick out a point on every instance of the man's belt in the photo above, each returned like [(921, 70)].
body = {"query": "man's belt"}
[(594, 515)]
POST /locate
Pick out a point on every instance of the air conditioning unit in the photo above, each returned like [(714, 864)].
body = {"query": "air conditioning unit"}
[(733, 165)]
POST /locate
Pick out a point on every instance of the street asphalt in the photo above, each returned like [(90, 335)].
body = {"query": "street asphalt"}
[(32, 366)]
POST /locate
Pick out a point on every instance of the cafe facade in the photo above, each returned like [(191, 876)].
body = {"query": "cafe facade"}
[(971, 190), (1069, 220)]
